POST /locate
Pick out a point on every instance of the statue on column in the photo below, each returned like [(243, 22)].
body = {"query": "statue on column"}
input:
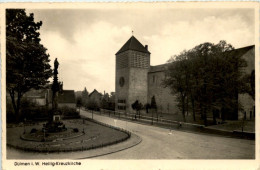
[(54, 124), (55, 87)]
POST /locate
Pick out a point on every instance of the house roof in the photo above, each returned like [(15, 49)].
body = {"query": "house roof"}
[(158, 68), (67, 96), (36, 93), (94, 91), (236, 52), (240, 51), (133, 44)]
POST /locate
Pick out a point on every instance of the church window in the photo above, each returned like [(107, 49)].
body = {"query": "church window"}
[(121, 81), (122, 61), (153, 78), (121, 107), (121, 101)]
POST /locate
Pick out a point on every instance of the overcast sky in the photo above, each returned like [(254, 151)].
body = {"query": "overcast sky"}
[(85, 41)]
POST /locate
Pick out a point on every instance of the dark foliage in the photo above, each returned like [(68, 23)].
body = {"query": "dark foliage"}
[(93, 105), (207, 77), (69, 112), (27, 64), (33, 130), (76, 130)]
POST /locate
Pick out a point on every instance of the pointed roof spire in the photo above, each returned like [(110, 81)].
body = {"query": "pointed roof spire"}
[(133, 44)]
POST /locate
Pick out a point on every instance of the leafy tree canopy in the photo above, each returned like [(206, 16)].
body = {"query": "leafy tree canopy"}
[(27, 64), (209, 74)]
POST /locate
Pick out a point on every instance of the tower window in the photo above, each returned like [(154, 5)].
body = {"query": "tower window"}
[(121, 107), (121, 101)]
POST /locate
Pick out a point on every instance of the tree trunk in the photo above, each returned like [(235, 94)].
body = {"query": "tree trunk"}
[(17, 110), (183, 109), (201, 111), (205, 116), (193, 109), (183, 115), (16, 104), (187, 105), (214, 117)]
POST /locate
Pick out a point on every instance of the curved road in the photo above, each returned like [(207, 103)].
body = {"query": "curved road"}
[(160, 143)]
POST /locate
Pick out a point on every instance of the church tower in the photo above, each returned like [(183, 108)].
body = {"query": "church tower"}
[(132, 66)]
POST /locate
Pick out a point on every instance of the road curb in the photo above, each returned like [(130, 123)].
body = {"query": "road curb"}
[(137, 141), (189, 127)]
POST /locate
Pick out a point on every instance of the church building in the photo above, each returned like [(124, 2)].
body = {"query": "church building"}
[(136, 79)]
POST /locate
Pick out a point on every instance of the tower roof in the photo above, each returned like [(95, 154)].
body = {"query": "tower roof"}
[(133, 44)]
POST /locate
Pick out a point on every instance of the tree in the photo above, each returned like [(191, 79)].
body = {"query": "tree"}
[(79, 102), (92, 105), (147, 107), (27, 64), (137, 107), (105, 103), (177, 80), (210, 75), (153, 106), (85, 96)]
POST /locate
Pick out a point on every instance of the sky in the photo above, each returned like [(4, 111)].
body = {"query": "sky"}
[(85, 41)]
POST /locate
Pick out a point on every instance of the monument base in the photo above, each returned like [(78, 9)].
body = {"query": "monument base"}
[(54, 125)]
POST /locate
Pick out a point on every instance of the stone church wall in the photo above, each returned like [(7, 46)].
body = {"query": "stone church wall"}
[(245, 99), (133, 66), (122, 62), (138, 87), (166, 102)]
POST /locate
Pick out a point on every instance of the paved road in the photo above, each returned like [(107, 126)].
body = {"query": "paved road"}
[(160, 143)]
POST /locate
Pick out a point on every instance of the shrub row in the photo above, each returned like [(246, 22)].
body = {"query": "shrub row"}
[(31, 111)]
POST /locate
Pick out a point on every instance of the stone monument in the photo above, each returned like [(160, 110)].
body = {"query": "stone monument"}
[(55, 124)]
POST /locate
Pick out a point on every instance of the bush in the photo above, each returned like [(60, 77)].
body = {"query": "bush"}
[(76, 130), (28, 110), (69, 112), (92, 105), (10, 115), (36, 113), (33, 130)]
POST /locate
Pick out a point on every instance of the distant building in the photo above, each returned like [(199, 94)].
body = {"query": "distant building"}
[(112, 97), (43, 97), (67, 98), (136, 79), (95, 96), (78, 94), (38, 97), (248, 104)]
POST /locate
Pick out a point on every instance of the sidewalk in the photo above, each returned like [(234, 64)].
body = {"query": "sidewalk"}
[(237, 127), (249, 126), (228, 129)]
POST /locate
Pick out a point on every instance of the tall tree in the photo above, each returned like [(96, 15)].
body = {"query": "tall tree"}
[(209, 74), (79, 102), (85, 96), (137, 106), (177, 79), (27, 64), (153, 106)]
